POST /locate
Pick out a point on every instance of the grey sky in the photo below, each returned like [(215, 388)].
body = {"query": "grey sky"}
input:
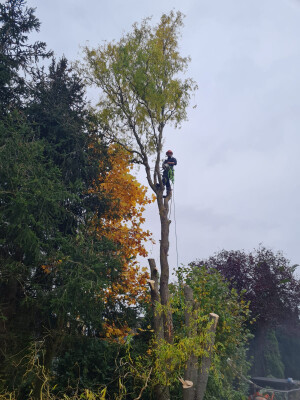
[(237, 179)]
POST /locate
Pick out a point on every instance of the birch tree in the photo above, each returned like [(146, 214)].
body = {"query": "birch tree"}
[(142, 91)]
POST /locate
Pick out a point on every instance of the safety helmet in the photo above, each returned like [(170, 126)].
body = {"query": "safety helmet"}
[(169, 152)]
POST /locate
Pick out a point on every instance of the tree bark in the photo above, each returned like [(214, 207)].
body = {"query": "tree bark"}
[(155, 299), (163, 323), (163, 206), (161, 392), (206, 360), (191, 371)]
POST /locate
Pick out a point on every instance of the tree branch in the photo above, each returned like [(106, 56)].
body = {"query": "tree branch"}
[(144, 387)]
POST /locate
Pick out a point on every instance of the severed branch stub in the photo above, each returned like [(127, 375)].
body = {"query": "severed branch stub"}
[(185, 384), (215, 318), (151, 283)]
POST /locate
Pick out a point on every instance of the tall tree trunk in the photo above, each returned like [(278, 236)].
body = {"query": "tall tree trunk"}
[(191, 371), (155, 300), (163, 206), (163, 324), (161, 392), (206, 361)]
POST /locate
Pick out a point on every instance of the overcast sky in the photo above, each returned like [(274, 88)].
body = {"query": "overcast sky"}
[(237, 180)]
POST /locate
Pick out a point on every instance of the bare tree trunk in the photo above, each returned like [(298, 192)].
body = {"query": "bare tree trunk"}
[(161, 392), (163, 323), (206, 361), (163, 206), (191, 371), (155, 299)]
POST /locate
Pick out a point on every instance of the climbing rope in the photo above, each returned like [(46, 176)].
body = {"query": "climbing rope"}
[(176, 241), (170, 208), (172, 179)]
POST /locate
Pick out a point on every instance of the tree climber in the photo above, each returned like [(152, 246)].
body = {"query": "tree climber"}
[(168, 171)]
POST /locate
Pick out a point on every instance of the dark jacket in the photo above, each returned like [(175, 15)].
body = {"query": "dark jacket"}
[(170, 159)]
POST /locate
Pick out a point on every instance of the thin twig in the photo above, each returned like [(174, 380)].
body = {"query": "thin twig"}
[(144, 387)]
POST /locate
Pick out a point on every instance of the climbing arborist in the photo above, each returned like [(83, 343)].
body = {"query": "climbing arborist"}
[(168, 172)]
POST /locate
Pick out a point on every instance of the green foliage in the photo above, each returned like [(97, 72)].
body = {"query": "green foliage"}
[(86, 363), (16, 22), (141, 86), (288, 337), (171, 358), (164, 363), (213, 294), (274, 365), (225, 388), (28, 179), (267, 281), (57, 110), (52, 275), (54, 269)]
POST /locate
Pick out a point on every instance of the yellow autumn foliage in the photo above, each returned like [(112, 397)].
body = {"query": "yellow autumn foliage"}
[(122, 223)]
